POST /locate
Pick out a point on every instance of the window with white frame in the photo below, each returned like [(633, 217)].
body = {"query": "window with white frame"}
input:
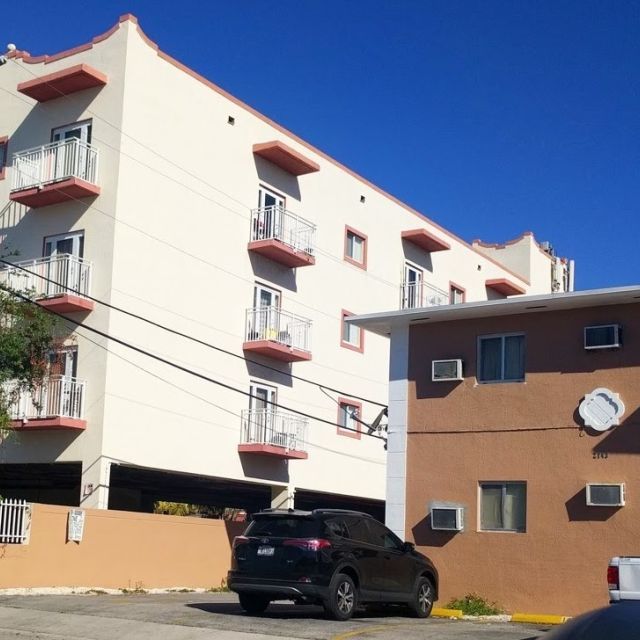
[(346, 412), (456, 295), (501, 358), (351, 336), (355, 248), (503, 506)]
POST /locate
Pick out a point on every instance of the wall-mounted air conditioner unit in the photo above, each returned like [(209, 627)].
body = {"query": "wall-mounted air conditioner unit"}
[(605, 495), (447, 518), (446, 370), (605, 336)]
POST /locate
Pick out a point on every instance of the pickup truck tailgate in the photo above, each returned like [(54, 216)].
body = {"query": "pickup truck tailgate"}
[(628, 582)]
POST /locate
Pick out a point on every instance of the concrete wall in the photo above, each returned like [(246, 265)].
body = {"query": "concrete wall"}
[(119, 550), (460, 434)]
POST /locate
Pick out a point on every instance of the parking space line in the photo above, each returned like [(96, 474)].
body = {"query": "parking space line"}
[(360, 632)]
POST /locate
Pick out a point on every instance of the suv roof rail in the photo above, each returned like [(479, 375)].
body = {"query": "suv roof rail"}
[(351, 512)]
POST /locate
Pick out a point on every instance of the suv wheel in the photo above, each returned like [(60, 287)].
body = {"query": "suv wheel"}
[(342, 598), (422, 601), (253, 604)]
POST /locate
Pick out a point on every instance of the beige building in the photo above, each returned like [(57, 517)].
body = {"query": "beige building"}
[(132, 180), (513, 443)]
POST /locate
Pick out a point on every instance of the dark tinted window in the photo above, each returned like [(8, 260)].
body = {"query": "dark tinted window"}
[(283, 527), (337, 527), (382, 537), (358, 529)]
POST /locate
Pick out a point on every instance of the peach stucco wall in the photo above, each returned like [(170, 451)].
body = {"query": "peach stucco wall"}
[(119, 550), (463, 433)]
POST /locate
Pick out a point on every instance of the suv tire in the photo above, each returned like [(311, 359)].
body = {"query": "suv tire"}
[(252, 603), (422, 602), (342, 599)]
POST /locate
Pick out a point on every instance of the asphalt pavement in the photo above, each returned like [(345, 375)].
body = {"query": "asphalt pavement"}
[(217, 616)]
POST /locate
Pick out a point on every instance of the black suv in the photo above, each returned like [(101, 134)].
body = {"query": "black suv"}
[(335, 558)]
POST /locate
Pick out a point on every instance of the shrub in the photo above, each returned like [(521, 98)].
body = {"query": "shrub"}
[(474, 605)]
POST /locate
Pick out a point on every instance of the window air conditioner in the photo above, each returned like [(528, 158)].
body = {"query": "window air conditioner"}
[(446, 370), (605, 336), (605, 495), (447, 518)]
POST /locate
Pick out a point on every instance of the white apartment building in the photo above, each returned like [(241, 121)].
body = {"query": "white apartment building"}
[(129, 178)]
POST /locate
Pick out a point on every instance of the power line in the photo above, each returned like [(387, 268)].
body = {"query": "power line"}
[(178, 366), (205, 400), (184, 335)]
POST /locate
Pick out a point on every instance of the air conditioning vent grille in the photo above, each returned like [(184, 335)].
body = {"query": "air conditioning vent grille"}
[(446, 370), (605, 495), (446, 518), (606, 336)]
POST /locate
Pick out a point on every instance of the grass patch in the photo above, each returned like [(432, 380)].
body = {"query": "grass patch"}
[(97, 592), (137, 588), (223, 588), (181, 590), (474, 605)]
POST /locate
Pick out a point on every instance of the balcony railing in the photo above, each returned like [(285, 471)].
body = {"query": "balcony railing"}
[(50, 277), (415, 295), (276, 223), (57, 397), (273, 324), (55, 162), (272, 428)]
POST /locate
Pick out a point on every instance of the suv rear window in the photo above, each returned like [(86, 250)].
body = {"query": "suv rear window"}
[(283, 527)]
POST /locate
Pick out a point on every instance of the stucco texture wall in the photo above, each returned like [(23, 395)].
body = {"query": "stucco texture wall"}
[(119, 550), (461, 434)]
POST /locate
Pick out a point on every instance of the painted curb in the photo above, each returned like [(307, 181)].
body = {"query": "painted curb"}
[(446, 613), (537, 618)]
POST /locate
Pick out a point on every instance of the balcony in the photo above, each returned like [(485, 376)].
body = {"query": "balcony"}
[(270, 432), (282, 236), (58, 403), (59, 283), (56, 172), (277, 334), (416, 295)]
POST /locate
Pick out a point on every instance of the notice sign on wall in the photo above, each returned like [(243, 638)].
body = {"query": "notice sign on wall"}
[(75, 525)]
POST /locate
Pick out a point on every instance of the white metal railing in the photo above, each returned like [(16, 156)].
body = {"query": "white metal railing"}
[(15, 518), (276, 223), (273, 427), (60, 160), (414, 295), (57, 396), (51, 276), (271, 323)]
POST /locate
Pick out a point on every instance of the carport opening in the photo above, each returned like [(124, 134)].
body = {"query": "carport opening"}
[(48, 483), (309, 500)]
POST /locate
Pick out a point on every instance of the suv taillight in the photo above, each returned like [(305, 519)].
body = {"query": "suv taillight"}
[(310, 544), (238, 540), (613, 578)]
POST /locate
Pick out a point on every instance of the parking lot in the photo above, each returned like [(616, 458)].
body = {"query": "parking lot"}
[(191, 616)]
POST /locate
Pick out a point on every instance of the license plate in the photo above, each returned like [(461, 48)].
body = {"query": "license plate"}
[(265, 551)]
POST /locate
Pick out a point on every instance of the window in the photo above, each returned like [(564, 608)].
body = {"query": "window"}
[(355, 247), (412, 288), (501, 358), (503, 506), (4, 155), (382, 537), (347, 409), (351, 337), (456, 294)]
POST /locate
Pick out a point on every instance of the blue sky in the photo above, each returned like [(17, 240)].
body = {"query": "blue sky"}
[(491, 117)]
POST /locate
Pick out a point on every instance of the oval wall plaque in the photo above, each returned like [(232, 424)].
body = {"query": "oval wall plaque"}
[(601, 409)]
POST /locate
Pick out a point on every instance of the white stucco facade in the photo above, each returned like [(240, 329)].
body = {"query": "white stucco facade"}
[(167, 239)]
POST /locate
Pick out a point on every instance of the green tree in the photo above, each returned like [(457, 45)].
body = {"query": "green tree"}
[(27, 336)]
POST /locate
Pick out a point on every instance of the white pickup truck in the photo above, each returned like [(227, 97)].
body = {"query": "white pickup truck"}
[(623, 576)]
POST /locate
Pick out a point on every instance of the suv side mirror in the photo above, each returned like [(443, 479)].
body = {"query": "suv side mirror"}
[(407, 547)]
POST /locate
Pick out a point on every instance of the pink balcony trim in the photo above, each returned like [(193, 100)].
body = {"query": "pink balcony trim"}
[(66, 303), (55, 192), (276, 350), (62, 83), (282, 253), (504, 286), (272, 450), (425, 240), (41, 424), (285, 157)]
